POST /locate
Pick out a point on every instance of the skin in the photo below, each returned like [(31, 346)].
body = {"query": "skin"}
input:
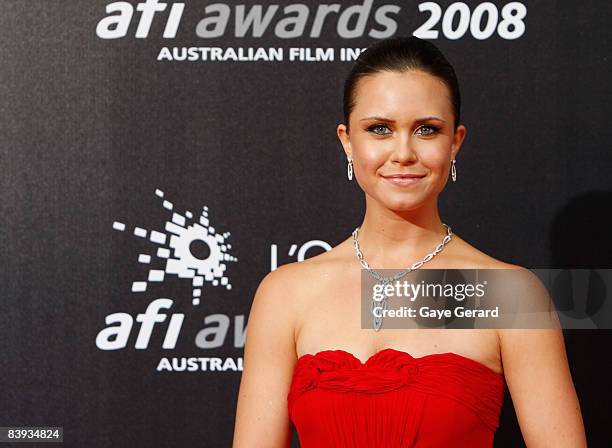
[(313, 305)]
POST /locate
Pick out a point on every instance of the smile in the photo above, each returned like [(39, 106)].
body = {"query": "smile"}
[(402, 181)]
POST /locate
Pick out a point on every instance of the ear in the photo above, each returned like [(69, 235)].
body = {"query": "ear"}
[(343, 135), (458, 140)]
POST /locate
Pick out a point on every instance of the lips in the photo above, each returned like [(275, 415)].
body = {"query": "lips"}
[(404, 179), (404, 176)]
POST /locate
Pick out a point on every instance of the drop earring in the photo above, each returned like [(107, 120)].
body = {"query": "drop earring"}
[(454, 171), (349, 169)]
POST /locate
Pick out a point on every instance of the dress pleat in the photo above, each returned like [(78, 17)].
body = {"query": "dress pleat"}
[(394, 400)]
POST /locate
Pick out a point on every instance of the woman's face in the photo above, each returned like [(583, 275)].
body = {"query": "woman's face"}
[(402, 123)]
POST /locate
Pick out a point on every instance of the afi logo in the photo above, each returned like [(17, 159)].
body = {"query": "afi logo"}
[(192, 250)]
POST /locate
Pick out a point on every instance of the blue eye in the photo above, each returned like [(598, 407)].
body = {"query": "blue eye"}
[(371, 129), (434, 129)]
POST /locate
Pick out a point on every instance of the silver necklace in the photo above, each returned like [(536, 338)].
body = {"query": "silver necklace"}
[(376, 320)]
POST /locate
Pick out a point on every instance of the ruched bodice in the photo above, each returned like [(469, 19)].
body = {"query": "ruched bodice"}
[(394, 400)]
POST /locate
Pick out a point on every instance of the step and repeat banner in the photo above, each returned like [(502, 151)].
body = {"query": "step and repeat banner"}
[(160, 158)]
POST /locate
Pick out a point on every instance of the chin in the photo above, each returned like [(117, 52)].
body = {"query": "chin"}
[(403, 205)]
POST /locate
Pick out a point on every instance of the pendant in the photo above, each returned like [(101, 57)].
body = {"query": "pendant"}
[(377, 320), (377, 323)]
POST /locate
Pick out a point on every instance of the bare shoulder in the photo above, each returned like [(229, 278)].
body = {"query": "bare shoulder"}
[(292, 278), (290, 285), (282, 280), (467, 256), (464, 255), (522, 281), (275, 295), (302, 274)]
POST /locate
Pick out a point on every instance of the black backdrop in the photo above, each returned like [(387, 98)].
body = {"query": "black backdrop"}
[(91, 128)]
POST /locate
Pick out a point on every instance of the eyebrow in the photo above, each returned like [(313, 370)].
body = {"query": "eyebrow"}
[(418, 120)]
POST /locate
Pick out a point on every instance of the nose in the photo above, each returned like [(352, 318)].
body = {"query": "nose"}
[(404, 151)]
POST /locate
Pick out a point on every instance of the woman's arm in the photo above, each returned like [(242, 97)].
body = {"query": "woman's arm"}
[(540, 383), (262, 418)]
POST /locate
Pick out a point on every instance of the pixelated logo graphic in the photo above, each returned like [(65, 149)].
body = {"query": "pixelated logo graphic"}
[(192, 250)]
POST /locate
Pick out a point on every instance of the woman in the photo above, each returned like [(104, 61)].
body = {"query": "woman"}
[(307, 359)]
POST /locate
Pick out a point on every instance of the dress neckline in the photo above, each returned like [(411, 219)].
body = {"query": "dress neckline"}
[(452, 355)]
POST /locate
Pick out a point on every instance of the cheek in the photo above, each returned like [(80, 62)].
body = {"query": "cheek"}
[(371, 155), (435, 158), (371, 160)]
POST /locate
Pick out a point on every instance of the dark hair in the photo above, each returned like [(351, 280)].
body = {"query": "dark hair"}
[(401, 54)]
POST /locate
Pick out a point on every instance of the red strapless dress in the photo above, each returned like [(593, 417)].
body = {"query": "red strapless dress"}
[(394, 400)]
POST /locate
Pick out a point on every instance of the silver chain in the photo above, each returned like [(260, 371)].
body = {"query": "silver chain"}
[(376, 320)]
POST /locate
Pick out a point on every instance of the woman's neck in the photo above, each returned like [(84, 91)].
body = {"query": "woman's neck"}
[(395, 240)]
